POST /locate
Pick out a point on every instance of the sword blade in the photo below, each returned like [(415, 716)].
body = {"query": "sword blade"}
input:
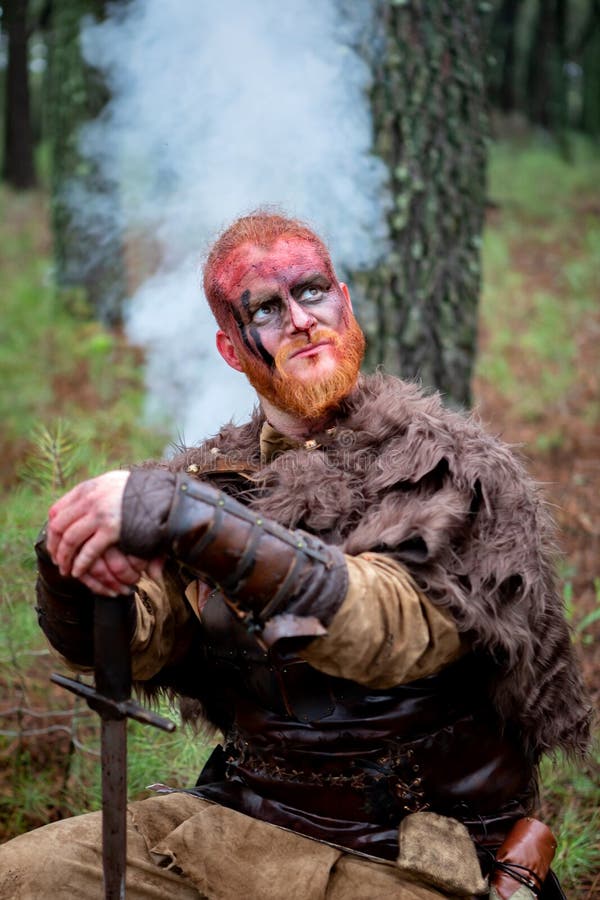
[(114, 806), (112, 665), (111, 699)]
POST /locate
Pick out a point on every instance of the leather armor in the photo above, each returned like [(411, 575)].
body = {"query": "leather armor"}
[(344, 763)]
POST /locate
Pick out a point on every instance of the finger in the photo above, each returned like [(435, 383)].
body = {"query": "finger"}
[(72, 496), (72, 507), (127, 570), (155, 568), (97, 587), (90, 551), (99, 498), (101, 572), (73, 539)]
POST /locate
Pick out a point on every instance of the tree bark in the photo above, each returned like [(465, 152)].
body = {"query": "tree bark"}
[(18, 166), (431, 122)]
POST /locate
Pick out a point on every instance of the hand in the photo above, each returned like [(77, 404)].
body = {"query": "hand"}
[(115, 572), (84, 524)]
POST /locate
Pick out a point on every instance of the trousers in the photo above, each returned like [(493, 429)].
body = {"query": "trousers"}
[(183, 848)]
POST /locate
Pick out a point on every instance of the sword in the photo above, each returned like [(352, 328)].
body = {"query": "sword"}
[(110, 698)]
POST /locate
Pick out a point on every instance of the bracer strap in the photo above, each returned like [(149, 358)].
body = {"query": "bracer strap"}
[(264, 570)]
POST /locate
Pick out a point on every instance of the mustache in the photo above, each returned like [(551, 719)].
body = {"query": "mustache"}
[(318, 336)]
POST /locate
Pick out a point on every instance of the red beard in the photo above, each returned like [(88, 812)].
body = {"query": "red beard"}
[(312, 398)]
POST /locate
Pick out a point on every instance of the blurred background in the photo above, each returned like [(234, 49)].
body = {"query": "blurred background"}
[(449, 153)]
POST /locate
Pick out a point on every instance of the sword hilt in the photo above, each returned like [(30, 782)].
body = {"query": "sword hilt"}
[(112, 709), (110, 697), (112, 655)]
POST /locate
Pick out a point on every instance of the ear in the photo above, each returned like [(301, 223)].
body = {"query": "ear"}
[(346, 294), (227, 351)]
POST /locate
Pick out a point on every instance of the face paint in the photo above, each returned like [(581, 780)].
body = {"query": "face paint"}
[(254, 346), (311, 397), (266, 356), (297, 340)]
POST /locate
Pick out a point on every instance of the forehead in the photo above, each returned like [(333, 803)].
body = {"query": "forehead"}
[(249, 267)]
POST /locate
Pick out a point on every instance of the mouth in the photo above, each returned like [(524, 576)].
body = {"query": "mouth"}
[(310, 349)]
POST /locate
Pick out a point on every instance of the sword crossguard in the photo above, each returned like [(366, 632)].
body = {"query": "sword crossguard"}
[(108, 708)]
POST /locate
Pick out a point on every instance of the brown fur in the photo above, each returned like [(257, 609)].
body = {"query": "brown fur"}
[(405, 476)]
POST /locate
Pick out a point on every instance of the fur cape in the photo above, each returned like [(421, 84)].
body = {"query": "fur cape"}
[(402, 475)]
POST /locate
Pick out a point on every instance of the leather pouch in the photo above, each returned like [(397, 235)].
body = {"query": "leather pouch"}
[(438, 851)]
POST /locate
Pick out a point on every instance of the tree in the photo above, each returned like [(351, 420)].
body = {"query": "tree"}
[(87, 249), (503, 40), (429, 108), (18, 166), (546, 72), (590, 60)]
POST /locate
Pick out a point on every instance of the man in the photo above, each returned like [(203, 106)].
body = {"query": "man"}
[(356, 589)]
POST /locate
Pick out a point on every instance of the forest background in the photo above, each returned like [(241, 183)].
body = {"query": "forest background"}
[(511, 89)]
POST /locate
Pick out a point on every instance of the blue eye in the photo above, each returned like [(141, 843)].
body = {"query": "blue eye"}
[(263, 311), (310, 293)]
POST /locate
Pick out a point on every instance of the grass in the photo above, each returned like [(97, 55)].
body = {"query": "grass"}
[(548, 219), (570, 794)]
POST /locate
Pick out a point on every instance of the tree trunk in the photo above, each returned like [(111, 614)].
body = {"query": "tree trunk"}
[(87, 249), (590, 63), (546, 76), (18, 167), (503, 46), (430, 120)]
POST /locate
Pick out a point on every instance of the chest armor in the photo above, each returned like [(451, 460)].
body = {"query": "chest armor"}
[(307, 749)]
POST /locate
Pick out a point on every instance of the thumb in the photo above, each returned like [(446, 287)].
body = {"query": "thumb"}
[(155, 568)]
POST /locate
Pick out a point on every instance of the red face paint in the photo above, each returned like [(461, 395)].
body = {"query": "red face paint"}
[(291, 322)]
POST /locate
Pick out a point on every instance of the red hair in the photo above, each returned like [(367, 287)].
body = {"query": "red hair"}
[(263, 228)]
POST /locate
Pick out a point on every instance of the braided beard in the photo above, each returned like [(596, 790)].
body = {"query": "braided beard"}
[(312, 398)]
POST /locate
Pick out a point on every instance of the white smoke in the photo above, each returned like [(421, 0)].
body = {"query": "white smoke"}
[(220, 106)]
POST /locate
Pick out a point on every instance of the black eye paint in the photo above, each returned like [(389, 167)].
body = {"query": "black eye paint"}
[(266, 356), (258, 347)]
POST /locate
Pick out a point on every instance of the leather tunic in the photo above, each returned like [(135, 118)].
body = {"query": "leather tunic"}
[(343, 763)]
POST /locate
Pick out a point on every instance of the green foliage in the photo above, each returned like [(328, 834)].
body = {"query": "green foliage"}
[(570, 799), (547, 219), (54, 457), (153, 757), (581, 626)]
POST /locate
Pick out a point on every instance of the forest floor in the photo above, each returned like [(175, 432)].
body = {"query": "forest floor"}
[(537, 385)]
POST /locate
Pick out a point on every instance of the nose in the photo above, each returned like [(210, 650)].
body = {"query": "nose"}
[(300, 318)]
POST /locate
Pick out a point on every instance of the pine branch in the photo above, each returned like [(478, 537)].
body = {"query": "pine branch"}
[(54, 457)]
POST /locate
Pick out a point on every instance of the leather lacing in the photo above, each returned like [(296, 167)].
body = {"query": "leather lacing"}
[(517, 872)]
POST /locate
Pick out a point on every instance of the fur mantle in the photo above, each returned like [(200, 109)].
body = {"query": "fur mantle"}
[(403, 475)]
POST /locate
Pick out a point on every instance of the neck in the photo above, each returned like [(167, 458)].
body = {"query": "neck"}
[(294, 426)]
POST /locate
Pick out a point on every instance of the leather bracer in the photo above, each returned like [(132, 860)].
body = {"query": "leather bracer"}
[(280, 582), (65, 609), (523, 861)]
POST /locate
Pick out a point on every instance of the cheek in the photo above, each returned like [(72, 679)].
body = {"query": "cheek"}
[(253, 346), (339, 315), (259, 341)]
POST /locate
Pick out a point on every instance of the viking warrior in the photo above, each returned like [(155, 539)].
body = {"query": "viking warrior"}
[(356, 589)]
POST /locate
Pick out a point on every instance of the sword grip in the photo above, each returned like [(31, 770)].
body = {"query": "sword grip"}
[(112, 656)]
